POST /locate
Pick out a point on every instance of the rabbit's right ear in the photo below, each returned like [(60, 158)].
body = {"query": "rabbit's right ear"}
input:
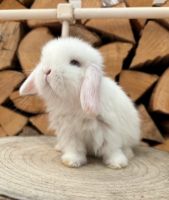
[(90, 90), (28, 87)]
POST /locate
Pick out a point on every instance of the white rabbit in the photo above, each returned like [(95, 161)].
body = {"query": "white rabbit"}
[(90, 112)]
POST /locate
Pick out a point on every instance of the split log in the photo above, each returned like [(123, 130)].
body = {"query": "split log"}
[(164, 146), (11, 122), (30, 48), (29, 131), (119, 29), (160, 98), (41, 123), (164, 22), (139, 23), (80, 31), (26, 3), (7, 4), (91, 4), (114, 55), (149, 131), (9, 80), (10, 34), (45, 4), (164, 125), (153, 46), (2, 132), (30, 104), (136, 84)]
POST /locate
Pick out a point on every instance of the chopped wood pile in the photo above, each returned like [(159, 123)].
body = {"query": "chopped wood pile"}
[(136, 54)]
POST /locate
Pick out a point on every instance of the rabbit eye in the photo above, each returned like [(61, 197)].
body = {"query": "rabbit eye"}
[(75, 62)]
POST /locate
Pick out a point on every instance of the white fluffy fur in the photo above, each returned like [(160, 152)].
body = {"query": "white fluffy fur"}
[(109, 134)]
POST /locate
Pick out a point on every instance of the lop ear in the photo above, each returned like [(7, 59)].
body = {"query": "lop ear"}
[(28, 87), (90, 90)]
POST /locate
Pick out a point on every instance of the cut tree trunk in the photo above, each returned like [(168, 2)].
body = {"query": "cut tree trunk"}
[(10, 35), (153, 46), (114, 55), (11, 123), (45, 4), (30, 104), (9, 80), (30, 48), (35, 167), (41, 123), (136, 84), (149, 131), (116, 28), (160, 98), (82, 32)]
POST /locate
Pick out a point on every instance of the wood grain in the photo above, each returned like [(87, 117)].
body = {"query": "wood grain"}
[(149, 131), (165, 22), (41, 123), (82, 32), (139, 3), (31, 104), (164, 125), (30, 48), (135, 83), (44, 4), (9, 80), (91, 4), (160, 98), (31, 169), (117, 28), (26, 2), (29, 131), (164, 146), (11, 122), (6, 4), (153, 46), (10, 34), (114, 55)]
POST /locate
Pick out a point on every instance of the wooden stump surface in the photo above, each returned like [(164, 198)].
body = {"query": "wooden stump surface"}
[(31, 169)]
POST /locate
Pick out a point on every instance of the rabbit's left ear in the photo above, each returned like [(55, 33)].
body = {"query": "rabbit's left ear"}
[(90, 90), (28, 87)]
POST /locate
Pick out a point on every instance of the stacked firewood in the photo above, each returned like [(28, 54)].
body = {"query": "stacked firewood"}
[(136, 54)]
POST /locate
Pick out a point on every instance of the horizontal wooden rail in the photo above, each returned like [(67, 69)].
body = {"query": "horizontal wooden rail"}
[(128, 13), (87, 13)]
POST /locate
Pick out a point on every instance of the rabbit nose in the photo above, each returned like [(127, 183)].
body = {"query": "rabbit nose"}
[(48, 72)]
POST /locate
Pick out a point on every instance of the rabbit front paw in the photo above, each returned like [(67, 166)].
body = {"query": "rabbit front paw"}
[(116, 160), (73, 160)]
